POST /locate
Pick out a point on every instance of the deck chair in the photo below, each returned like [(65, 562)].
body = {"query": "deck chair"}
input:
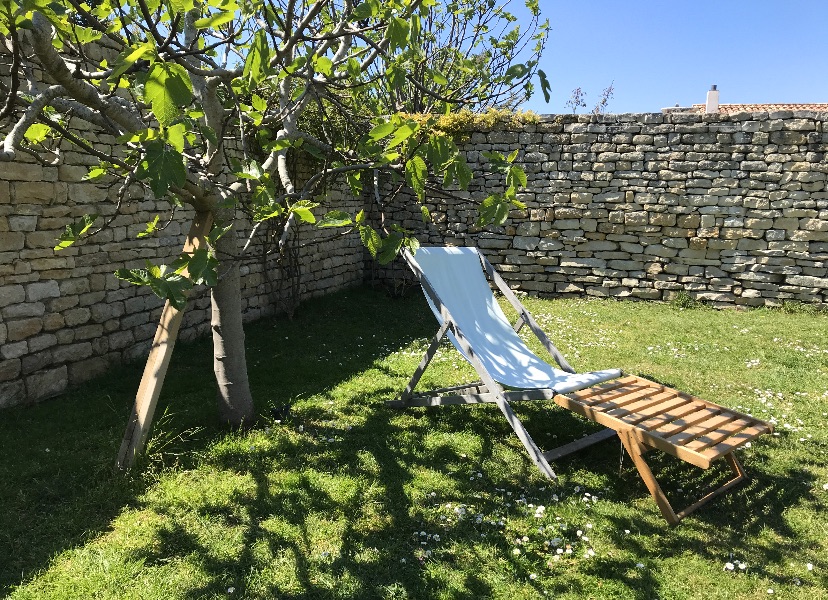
[(643, 413)]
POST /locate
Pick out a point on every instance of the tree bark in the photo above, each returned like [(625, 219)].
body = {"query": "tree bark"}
[(235, 402)]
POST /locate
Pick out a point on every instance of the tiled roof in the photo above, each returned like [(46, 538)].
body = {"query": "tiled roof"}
[(735, 108)]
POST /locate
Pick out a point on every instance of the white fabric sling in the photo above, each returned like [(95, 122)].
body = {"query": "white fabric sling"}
[(456, 276)]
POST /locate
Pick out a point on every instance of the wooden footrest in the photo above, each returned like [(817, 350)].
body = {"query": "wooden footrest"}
[(646, 414), (687, 427)]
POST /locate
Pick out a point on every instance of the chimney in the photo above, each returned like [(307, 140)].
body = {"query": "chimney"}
[(712, 104)]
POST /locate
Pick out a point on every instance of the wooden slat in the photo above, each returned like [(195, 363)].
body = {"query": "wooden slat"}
[(619, 402), (583, 395), (651, 412), (656, 441), (691, 433), (736, 440), (653, 399), (684, 422), (578, 444), (671, 415), (615, 394), (719, 434)]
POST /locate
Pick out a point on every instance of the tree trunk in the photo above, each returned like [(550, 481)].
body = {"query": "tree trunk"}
[(235, 402)]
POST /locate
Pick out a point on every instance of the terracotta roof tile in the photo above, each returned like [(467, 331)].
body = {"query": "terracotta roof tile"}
[(735, 108)]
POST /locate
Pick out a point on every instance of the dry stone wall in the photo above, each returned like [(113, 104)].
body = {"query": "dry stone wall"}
[(65, 317), (732, 210)]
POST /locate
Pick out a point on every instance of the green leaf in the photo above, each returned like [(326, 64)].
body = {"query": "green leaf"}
[(401, 134), (354, 68), (335, 218), (163, 281), (516, 72), (74, 230), (545, 87), (163, 166), (197, 263), (360, 217), (175, 136), (297, 64), (391, 246), (364, 10), (37, 133), (438, 77), (258, 59), (354, 183), (493, 210), (302, 209), (516, 178), (182, 6), (397, 32), (258, 103), (277, 145), (415, 175), (152, 227), (381, 131), (129, 57), (95, 173), (370, 238), (323, 65), (168, 87), (425, 214), (138, 137), (412, 244), (215, 19)]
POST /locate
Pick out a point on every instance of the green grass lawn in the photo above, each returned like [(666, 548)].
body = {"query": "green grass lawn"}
[(341, 497)]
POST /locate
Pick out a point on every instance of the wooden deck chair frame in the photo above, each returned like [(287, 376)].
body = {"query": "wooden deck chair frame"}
[(487, 390), (643, 413)]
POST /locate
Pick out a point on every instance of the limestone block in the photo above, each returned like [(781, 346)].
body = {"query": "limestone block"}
[(87, 369), (40, 290), (526, 243), (12, 393), (635, 218), (21, 329), (675, 242), (22, 222), (528, 228), (70, 287), (814, 224), (722, 244), (72, 352), (26, 309), (87, 332), (76, 316), (11, 241), (550, 244), (41, 342), (46, 384), (11, 350), (807, 281), (787, 138), (626, 265), (691, 221), (20, 171), (663, 218), (11, 294), (41, 192)]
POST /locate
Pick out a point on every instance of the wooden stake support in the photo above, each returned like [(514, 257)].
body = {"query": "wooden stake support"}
[(155, 371)]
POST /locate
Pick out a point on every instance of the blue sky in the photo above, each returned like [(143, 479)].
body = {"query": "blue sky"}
[(662, 53)]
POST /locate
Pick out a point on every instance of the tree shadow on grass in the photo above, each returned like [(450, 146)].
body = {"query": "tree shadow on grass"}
[(59, 489), (305, 517)]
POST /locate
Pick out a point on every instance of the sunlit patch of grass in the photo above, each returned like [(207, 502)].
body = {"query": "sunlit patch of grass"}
[(333, 495)]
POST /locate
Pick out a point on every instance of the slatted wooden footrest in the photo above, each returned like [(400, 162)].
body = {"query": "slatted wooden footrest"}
[(650, 415)]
